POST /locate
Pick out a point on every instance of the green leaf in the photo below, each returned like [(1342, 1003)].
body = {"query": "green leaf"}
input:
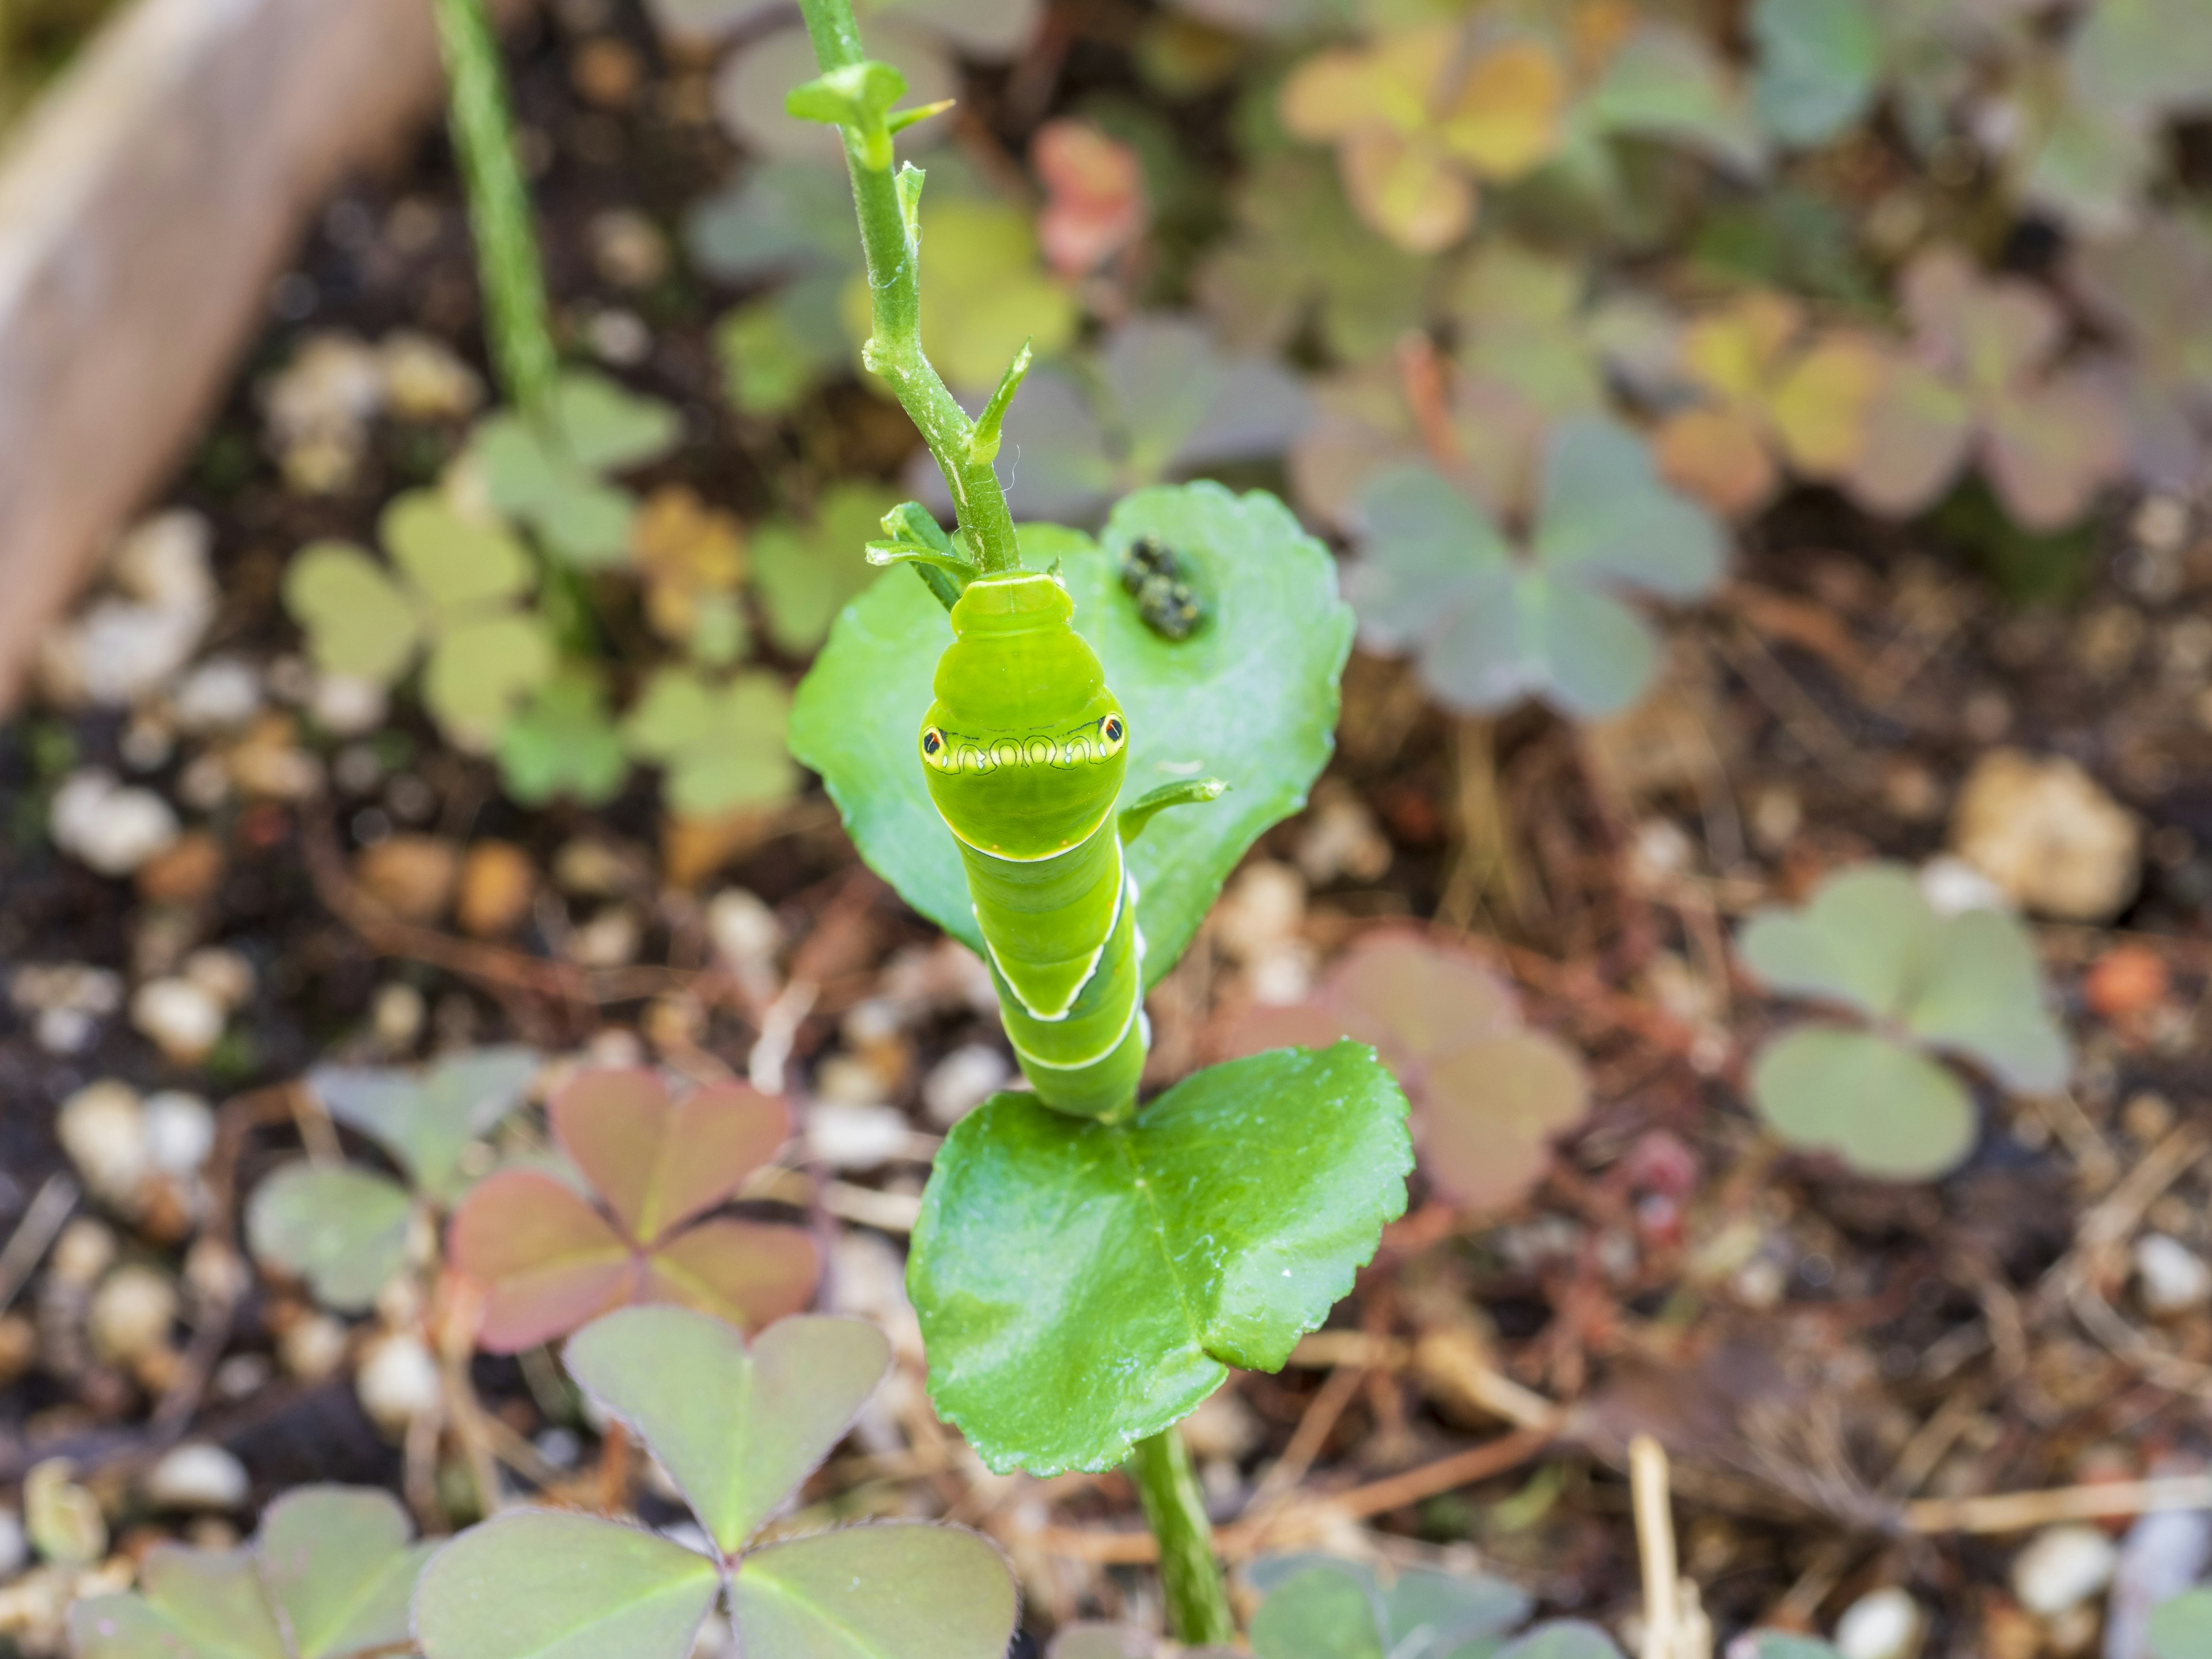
[(1250, 698), (722, 745), (805, 574), (1562, 1638), (342, 1230), (1783, 1644), (2182, 1628), (1968, 984), (736, 1429), (918, 1591), (1322, 1612), (575, 517), (340, 1563), (1819, 66), (857, 95), (1885, 1111), (206, 1604), (563, 743), (481, 672), (1216, 1230), (1440, 1615), (537, 1584), (607, 428), (775, 352), (426, 1119), (358, 620), (1666, 83), (781, 218), (458, 564)]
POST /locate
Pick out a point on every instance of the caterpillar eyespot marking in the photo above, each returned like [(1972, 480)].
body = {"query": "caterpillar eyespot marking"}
[(1087, 745)]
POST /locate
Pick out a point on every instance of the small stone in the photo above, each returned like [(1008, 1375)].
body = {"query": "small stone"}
[(215, 1272), (610, 938), (962, 1081), (123, 648), (1263, 907), (1777, 814), (268, 764), (398, 1382), (1224, 1426), (1952, 887), (102, 1128), (411, 876), (628, 249), (845, 1136), (1883, 1624), (346, 706), (85, 1250), (313, 1347), (179, 1132), (498, 882), (108, 827), (62, 1518), (224, 975), (423, 381), (618, 337), (1341, 839), (2172, 1278), (2126, 981), (589, 867), (181, 1018), (131, 1314), (396, 1015), (198, 1476), (66, 1002), (146, 744), (607, 72), (2049, 834), (2148, 1116), (217, 695), (745, 931), (2161, 523), (2062, 1567), (185, 872)]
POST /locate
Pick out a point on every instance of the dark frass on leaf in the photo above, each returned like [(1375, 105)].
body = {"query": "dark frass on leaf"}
[(1153, 575)]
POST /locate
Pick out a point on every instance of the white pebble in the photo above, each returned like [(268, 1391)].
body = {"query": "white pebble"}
[(398, 1382), (854, 1137), (182, 1020), (1952, 887), (2062, 1567), (179, 1132), (746, 932), (217, 695), (2172, 1276), (198, 1476), (131, 1314), (346, 706), (100, 823), (396, 1015), (85, 1250), (224, 975), (962, 1081), (1883, 1624), (102, 1128), (313, 1347)]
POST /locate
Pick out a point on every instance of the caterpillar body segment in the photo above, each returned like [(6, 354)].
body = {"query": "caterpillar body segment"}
[(1025, 751)]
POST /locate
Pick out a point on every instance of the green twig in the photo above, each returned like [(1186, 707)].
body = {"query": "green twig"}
[(1198, 1604), (517, 322), (890, 237)]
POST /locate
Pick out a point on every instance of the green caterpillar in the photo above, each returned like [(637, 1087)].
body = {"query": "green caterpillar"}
[(1025, 748)]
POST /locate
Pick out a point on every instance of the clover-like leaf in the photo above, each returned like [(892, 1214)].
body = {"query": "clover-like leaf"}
[(1083, 1285), (426, 1119), (806, 571), (1324, 1612), (2181, 1628), (1884, 1109), (344, 1231), (921, 1592), (359, 622), (329, 1576), (548, 1259), (563, 743), (1249, 698), (1300, 251), (687, 1383), (1786, 1644), (544, 1584), (1664, 81), (607, 428), (778, 350), (779, 219), (2151, 288), (1820, 66), (1490, 625), (552, 476), (1562, 1638), (722, 745), (1320, 1607)]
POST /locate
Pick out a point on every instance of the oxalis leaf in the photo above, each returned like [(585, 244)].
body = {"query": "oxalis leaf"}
[(426, 1119), (344, 1231), (1250, 698), (1082, 1285)]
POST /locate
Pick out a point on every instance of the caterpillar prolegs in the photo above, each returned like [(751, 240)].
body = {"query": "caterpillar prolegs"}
[(1025, 750)]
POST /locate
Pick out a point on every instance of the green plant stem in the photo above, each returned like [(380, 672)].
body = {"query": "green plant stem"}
[(1198, 1603), (895, 286), (517, 322)]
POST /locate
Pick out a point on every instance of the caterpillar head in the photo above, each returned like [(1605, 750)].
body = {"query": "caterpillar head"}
[(1024, 748)]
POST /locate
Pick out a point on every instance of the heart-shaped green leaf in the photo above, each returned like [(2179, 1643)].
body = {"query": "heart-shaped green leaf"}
[(191, 1604), (1562, 1638), (563, 743), (1083, 1284), (1884, 1109), (358, 620), (722, 743), (1322, 1612), (737, 1428), (607, 428), (481, 672), (1819, 66), (1967, 984), (340, 1562), (458, 564), (1250, 698), (537, 1584), (1442, 1615), (426, 1119), (921, 1592), (577, 517), (342, 1230)]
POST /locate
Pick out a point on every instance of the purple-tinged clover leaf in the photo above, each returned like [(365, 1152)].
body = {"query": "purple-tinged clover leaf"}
[(738, 1429), (1493, 623)]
